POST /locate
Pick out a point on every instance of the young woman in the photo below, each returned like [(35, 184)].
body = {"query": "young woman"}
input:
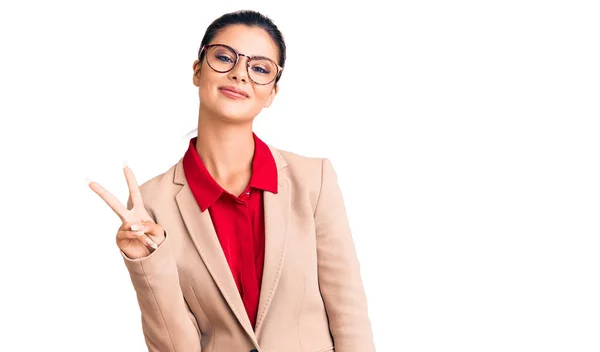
[(241, 246)]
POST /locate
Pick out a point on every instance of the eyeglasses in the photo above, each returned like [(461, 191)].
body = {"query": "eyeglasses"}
[(222, 58)]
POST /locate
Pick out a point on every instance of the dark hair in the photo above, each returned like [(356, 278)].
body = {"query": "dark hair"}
[(250, 19)]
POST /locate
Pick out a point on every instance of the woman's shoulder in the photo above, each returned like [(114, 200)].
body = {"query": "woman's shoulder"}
[(295, 161), (300, 168), (158, 185)]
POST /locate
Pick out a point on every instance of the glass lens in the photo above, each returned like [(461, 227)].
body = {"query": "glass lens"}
[(220, 58), (262, 70)]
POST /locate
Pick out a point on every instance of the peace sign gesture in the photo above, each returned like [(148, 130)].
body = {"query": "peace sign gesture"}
[(138, 233)]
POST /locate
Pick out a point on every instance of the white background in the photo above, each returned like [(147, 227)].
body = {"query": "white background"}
[(465, 135)]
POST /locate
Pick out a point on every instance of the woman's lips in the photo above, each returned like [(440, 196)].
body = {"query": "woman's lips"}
[(232, 94)]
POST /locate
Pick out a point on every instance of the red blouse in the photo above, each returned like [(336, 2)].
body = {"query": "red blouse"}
[(238, 220)]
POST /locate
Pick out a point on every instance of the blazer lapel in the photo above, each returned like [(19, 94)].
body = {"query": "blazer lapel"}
[(276, 209), (201, 230)]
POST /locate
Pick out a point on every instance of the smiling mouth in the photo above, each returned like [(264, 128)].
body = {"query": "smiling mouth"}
[(232, 94)]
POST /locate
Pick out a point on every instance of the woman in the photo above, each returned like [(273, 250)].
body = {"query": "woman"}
[(241, 246)]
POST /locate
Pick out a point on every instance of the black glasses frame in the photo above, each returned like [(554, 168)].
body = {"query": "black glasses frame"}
[(237, 59)]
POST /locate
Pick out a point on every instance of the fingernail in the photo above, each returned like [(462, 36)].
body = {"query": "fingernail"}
[(152, 244), (136, 227), (125, 164), (88, 180)]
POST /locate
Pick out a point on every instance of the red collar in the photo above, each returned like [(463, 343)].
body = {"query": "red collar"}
[(204, 187)]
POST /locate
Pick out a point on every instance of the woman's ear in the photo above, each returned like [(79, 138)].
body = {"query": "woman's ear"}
[(196, 67), (271, 96)]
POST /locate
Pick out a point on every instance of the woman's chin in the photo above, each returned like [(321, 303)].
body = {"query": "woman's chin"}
[(235, 116), (230, 112), (234, 113)]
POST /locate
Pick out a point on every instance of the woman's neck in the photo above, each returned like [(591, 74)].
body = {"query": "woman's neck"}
[(226, 150)]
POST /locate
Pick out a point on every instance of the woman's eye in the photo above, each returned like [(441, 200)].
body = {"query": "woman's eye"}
[(259, 69), (224, 58)]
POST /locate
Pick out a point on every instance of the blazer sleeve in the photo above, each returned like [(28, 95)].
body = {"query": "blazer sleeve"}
[(167, 322), (339, 271)]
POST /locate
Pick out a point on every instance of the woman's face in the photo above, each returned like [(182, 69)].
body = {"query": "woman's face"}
[(251, 41)]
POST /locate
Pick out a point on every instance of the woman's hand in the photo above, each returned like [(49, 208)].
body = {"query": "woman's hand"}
[(139, 233)]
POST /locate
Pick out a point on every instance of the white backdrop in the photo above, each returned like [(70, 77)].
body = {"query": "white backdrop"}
[(465, 135)]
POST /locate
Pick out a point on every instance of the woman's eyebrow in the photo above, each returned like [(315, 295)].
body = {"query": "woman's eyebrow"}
[(257, 55)]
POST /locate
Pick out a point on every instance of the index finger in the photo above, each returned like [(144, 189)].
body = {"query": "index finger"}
[(110, 199), (134, 189)]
